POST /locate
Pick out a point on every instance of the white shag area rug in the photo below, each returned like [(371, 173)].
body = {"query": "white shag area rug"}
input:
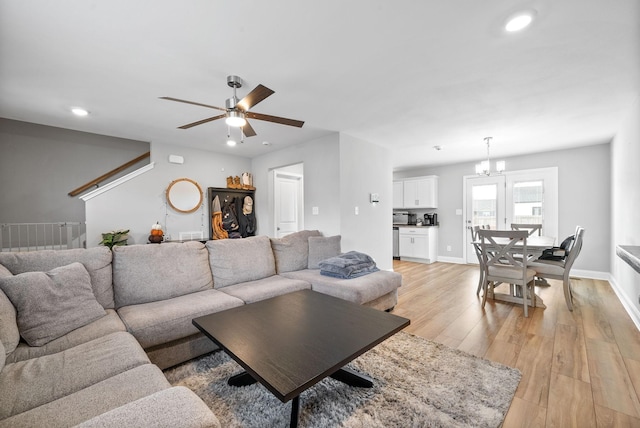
[(417, 383)]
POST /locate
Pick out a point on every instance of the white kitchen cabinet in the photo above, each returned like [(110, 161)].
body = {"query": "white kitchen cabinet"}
[(420, 192), (398, 194), (418, 244)]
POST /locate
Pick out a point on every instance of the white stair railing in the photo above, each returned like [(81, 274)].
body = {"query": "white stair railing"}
[(42, 236)]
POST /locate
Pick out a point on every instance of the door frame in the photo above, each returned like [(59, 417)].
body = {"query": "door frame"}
[(550, 195), (299, 178)]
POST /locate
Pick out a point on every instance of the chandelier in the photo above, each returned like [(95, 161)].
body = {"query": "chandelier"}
[(484, 167)]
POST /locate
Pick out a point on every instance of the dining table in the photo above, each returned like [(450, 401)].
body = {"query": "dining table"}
[(535, 246)]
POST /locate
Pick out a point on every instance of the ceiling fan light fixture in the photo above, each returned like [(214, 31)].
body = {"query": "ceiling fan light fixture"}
[(235, 119)]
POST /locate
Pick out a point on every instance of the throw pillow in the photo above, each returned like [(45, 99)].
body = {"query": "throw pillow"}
[(321, 248), (52, 304), (292, 251)]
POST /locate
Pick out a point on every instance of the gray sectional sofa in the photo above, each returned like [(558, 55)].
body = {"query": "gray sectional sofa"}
[(85, 334)]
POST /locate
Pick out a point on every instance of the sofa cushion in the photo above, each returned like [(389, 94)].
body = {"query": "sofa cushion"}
[(31, 383), (4, 272), (265, 288), (51, 304), (176, 407), (96, 260), (322, 248), (360, 290), (3, 356), (94, 400), (166, 271), (292, 251), (110, 323), (239, 260), (9, 333), (163, 321)]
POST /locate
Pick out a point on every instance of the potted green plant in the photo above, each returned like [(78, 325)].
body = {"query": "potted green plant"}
[(115, 238)]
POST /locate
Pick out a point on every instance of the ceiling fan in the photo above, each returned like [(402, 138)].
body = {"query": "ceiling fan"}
[(236, 112)]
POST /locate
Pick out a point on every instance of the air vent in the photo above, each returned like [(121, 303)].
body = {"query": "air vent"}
[(192, 236)]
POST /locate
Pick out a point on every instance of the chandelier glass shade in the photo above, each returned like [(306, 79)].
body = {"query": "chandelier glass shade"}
[(484, 167)]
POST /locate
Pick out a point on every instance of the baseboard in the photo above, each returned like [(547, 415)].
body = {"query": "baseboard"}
[(456, 260), (591, 274), (624, 299)]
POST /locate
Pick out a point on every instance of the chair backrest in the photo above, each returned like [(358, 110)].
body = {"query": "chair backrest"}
[(499, 246), (575, 249), (474, 232), (529, 227), (474, 238)]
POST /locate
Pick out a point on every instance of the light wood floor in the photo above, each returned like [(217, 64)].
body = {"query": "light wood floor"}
[(579, 369)]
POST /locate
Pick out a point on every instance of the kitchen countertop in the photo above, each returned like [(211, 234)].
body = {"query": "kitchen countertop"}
[(413, 225), (630, 254)]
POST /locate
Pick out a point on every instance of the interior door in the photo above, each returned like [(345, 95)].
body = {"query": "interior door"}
[(287, 203), (485, 205)]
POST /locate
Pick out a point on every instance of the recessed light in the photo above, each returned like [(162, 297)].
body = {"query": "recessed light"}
[(266, 143), (231, 143), (79, 111), (520, 20), (438, 148)]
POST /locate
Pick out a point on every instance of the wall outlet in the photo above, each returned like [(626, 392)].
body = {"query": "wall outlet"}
[(448, 247), (315, 210), (357, 210)]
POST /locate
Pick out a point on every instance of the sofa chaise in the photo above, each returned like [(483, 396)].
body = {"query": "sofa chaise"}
[(85, 333)]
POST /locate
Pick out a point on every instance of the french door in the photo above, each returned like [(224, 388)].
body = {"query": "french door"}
[(486, 206), (529, 196)]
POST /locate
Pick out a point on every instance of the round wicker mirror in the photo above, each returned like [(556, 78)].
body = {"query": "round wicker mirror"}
[(184, 195)]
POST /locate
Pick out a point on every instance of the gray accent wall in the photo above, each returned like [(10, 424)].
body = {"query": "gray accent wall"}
[(584, 197), (40, 165), (625, 208)]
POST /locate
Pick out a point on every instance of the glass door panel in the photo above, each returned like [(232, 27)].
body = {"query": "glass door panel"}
[(485, 207)]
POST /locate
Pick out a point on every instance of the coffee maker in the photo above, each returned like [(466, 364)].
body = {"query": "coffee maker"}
[(430, 219)]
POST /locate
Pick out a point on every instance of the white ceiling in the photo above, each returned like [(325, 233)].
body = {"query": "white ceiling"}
[(407, 74)]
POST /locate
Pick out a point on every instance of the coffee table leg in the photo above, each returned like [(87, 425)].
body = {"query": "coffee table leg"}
[(295, 409), (241, 379), (353, 378)]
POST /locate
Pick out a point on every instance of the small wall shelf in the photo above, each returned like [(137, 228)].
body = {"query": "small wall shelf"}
[(222, 193)]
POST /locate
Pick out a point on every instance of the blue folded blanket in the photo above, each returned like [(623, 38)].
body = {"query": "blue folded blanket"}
[(348, 265)]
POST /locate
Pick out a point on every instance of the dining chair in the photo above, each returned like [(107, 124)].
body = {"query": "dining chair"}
[(500, 266), (476, 246), (561, 270), (532, 228)]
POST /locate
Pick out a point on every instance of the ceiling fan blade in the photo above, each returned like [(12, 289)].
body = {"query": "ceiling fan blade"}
[(275, 119), (248, 131), (191, 102), (258, 94), (200, 122)]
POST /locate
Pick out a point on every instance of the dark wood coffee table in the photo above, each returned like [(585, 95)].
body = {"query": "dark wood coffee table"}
[(291, 342)]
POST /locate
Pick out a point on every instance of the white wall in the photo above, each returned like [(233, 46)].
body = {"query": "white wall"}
[(321, 164), (625, 208), (139, 203), (584, 197), (364, 169), (339, 173)]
